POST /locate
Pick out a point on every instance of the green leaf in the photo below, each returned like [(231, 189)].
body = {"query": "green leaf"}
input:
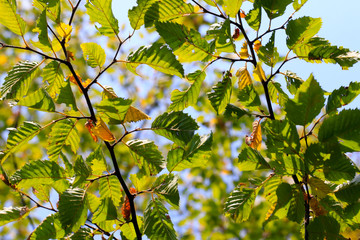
[(66, 96), (93, 53), (157, 56), (175, 126), (100, 12), (41, 28), (221, 32), (240, 203), (187, 44), (82, 171), (349, 192), (342, 96), (297, 5), (10, 214), (277, 95), (268, 53), (141, 181), (221, 94), (275, 8), (300, 30), (195, 154), (147, 156), (10, 19), (52, 7), (293, 82), (324, 227), (307, 104), (109, 187), (253, 18), (40, 100), (352, 212), (232, 7), (234, 112), (72, 209), (136, 14), (83, 234), (248, 97), (157, 223), (333, 54), (287, 164), (164, 11), (17, 82), (113, 110), (250, 159), (344, 127), (106, 211), (128, 231), (39, 172), (296, 205), (168, 190), (18, 137), (281, 136), (339, 168), (62, 133), (302, 51), (319, 188), (97, 161), (54, 78), (50, 228), (183, 99)]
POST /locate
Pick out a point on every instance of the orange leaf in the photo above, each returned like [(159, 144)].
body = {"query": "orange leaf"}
[(256, 136), (244, 51), (316, 207), (125, 209), (89, 125), (236, 34), (72, 78), (242, 14), (257, 45), (86, 83), (102, 131)]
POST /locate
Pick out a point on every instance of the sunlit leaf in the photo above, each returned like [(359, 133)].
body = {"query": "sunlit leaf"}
[(233, 112), (50, 227), (157, 223), (18, 137), (187, 44), (97, 161), (52, 7), (102, 131), (342, 96), (64, 30), (114, 110), (72, 209), (109, 187), (250, 159), (253, 18), (349, 191), (307, 104), (268, 54), (240, 203), (39, 100), (10, 214), (134, 115), (62, 133), (297, 5), (10, 19), (221, 93), (275, 8), (183, 99), (319, 188), (232, 7), (82, 171), (147, 156), (300, 30), (244, 53), (168, 190), (293, 82), (248, 97), (66, 96), (136, 14), (176, 126), (157, 56), (259, 74), (41, 28), (244, 77), (93, 53), (221, 32), (17, 82), (54, 78), (100, 11)]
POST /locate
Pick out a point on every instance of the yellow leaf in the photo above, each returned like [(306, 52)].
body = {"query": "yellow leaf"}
[(258, 73), (244, 77), (256, 137), (244, 51), (64, 30), (86, 82), (257, 45), (319, 188), (102, 131), (133, 115), (270, 211)]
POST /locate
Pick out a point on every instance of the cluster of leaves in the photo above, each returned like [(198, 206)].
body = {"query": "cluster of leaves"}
[(303, 175)]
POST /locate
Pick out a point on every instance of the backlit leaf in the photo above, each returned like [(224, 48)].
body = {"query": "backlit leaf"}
[(221, 32), (244, 77), (248, 97), (41, 28), (39, 100), (232, 7), (307, 104), (221, 94), (82, 171), (109, 187), (18, 137), (168, 190), (10, 214), (10, 19), (66, 96), (250, 159), (114, 110), (62, 133), (17, 82), (175, 126), (50, 227), (157, 56), (147, 156), (259, 74), (136, 14), (157, 223), (275, 8), (54, 78), (253, 18), (134, 115), (52, 7), (300, 30), (100, 11), (102, 131), (93, 53), (342, 96), (244, 53), (349, 191), (187, 44), (183, 99)]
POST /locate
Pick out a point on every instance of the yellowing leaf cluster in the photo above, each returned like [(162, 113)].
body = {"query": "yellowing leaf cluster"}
[(244, 78), (254, 140), (64, 30)]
